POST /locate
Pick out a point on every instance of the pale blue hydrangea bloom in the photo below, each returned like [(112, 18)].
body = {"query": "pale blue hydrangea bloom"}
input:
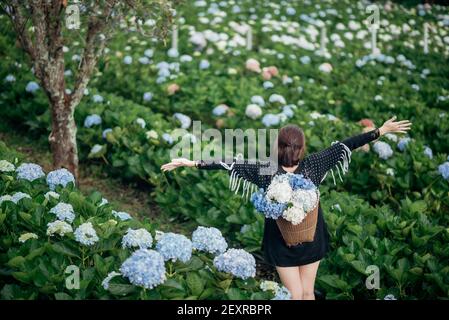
[(29, 171), (268, 85), (209, 239), (139, 238), (147, 96), (269, 208), (128, 60), (204, 64), (105, 132), (144, 60), (282, 293), (149, 53), (443, 169), (288, 111), (238, 262), (389, 297), (63, 211), (258, 100), (174, 247), (403, 142), (97, 98), (220, 110), (32, 87), (277, 98), (173, 53), (10, 78), (86, 234), (61, 177), (428, 152), (92, 120), (144, 268), (185, 58), (305, 59), (271, 119), (167, 138), (123, 216), (16, 197), (184, 119), (383, 149), (110, 276)]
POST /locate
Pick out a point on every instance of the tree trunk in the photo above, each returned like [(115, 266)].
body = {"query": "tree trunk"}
[(63, 137)]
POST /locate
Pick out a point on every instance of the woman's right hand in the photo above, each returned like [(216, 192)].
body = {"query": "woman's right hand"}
[(177, 163), (393, 126)]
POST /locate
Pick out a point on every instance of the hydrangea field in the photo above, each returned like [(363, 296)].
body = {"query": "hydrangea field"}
[(390, 211)]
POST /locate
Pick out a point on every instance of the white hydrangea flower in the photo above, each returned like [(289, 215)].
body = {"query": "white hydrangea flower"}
[(266, 285), (253, 111), (6, 166), (26, 236), (280, 190), (58, 227), (51, 194), (294, 214)]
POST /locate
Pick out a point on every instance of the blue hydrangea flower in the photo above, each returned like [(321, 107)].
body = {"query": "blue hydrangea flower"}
[(92, 120), (204, 64), (97, 98), (61, 177), (298, 181), (149, 53), (144, 268), (144, 60), (443, 169), (263, 205), (63, 211), (383, 149), (16, 197), (139, 238), (282, 293), (105, 132), (428, 152), (110, 276), (238, 262), (389, 297), (128, 60), (220, 110), (147, 96), (258, 100), (29, 171), (167, 138), (305, 59), (209, 239), (123, 216), (268, 85), (403, 142), (174, 247), (271, 119), (32, 87), (86, 235)]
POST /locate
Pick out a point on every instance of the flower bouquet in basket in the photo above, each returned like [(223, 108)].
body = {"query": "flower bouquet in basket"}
[(292, 200)]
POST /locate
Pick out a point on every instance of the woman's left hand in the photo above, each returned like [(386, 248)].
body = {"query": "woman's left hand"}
[(393, 126)]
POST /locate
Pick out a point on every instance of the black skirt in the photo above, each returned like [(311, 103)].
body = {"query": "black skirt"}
[(277, 253)]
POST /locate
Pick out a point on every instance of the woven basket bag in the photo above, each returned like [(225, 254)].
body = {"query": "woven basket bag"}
[(302, 232)]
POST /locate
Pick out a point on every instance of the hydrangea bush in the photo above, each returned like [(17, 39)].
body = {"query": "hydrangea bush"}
[(116, 257)]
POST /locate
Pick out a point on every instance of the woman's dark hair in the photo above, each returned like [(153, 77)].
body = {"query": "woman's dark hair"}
[(291, 145)]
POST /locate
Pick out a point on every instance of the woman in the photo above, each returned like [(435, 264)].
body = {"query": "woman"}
[(297, 266)]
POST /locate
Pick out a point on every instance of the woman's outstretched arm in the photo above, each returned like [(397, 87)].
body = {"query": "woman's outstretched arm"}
[(338, 156), (242, 173)]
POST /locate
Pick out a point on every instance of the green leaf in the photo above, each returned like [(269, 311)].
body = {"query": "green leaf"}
[(63, 249), (195, 283), (121, 289), (16, 262), (62, 296)]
